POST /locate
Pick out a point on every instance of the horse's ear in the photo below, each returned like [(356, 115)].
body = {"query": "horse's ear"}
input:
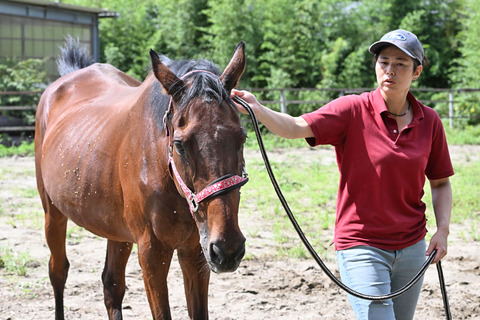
[(234, 70), (170, 82)]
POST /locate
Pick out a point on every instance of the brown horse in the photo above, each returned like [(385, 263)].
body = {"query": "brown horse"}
[(124, 159)]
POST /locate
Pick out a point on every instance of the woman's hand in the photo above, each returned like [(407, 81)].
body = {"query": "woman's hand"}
[(248, 97), (439, 242), (279, 123)]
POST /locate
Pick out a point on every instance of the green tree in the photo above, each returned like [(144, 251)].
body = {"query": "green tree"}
[(304, 43), (26, 75), (126, 40), (177, 26), (230, 22), (297, 35), (435, 22), (465, 71)]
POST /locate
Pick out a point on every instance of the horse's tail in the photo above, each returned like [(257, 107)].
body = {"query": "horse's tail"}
[(73, 56)]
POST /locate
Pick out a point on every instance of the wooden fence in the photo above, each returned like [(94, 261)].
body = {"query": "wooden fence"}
[(285, 105), (13, 126)]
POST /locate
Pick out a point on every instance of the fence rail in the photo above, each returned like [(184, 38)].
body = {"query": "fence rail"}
[(18, 125), (282, 101), (450, 101)]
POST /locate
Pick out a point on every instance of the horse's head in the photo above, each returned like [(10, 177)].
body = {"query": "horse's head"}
[(206, 144)]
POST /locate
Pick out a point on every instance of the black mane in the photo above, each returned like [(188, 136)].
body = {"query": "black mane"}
[(204, 85)]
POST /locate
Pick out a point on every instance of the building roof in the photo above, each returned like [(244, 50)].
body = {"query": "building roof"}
[(59, 5)]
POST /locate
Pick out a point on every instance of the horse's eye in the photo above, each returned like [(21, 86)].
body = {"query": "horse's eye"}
[(179, 148)]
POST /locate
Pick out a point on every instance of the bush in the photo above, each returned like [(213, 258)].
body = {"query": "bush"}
[(25, 75)]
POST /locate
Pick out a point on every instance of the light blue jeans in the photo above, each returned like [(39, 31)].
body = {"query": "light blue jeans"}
[(375, 271)]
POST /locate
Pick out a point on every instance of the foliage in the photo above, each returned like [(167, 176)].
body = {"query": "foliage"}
[(296, 44), (125, 41), (466, 67), (229, 22), (305, 43), (24, 149), (14, 262), (26, 75), (463, 135), (310, 190)]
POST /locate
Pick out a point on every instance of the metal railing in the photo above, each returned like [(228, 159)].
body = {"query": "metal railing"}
[(450, 100), (286, 104)]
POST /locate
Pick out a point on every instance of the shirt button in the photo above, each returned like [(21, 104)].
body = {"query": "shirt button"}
[(394, 131)]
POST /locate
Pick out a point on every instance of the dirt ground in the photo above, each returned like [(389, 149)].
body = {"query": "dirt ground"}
[(263, 287)]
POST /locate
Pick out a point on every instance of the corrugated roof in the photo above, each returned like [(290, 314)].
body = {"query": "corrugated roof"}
[(60, 5)]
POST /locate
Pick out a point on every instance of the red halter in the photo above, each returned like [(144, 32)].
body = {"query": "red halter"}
[(221, 185)]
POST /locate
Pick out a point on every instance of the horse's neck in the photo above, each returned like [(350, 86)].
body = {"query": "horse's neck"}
[(149, 108)]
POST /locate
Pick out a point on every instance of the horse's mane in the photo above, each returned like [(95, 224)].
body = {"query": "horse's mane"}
[(204, 85)]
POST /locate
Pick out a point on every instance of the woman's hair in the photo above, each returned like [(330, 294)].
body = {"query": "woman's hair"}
[(416, 63)]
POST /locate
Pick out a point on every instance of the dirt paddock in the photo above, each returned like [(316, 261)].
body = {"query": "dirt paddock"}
[(264, 286)]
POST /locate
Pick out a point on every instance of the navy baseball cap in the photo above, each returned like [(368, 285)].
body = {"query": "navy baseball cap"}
[(403, 40)]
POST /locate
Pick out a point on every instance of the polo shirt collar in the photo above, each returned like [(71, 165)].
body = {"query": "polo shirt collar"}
[(380, 106)]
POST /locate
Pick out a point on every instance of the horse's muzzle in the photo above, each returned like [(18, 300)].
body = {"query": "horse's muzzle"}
[(220, 259)]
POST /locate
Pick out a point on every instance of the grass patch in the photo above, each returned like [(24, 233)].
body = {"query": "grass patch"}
[(466, 199), (272, 141), (23, 150), (75, 233), (14, 262), (310, 189), (462, 136), (7, 173), (25, 192)]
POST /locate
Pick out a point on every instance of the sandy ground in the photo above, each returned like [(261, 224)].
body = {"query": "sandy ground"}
[(263, 287)]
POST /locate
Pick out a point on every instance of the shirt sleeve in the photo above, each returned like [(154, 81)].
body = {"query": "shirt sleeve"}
[(439, 164), (329, 123)]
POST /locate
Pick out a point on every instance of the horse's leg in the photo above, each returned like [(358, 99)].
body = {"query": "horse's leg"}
[(113, 277), (55, 234), (196, 276), (155, 258)]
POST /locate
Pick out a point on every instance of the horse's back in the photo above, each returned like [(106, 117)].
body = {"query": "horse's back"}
[(96, 82), (84, 101), (81, 123)]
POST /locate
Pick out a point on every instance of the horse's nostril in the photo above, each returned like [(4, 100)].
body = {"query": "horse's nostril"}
[(241, 253), (216, 254)]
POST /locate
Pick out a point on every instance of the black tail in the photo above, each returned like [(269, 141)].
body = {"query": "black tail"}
[(73, 56)]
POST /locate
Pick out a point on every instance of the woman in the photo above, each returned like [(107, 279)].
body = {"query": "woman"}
[(386, 143)]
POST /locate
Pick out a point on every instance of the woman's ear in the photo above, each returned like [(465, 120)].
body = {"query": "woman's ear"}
[(417, 72)]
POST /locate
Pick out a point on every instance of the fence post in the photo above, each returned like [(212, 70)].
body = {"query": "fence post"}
[(450, 109), (283, 104)]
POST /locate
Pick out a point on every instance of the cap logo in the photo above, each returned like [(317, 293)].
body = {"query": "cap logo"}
[(394, 36)]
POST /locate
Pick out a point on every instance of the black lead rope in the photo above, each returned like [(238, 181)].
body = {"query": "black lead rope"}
[(314, 253)]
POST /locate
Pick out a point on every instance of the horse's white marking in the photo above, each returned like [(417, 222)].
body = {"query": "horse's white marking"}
[(218, 132)]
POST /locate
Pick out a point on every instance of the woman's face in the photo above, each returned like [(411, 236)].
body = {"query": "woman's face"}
[(395, 70)]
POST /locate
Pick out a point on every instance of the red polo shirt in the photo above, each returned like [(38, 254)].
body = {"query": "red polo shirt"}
[(382, 171)]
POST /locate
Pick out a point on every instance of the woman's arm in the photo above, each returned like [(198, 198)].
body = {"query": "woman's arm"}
[(279, 123), (442, 207)]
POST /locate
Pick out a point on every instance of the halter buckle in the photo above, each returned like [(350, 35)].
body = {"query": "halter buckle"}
[(193, 203)]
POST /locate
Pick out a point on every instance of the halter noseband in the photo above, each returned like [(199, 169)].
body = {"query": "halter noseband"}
[(217, 187), (222, 185)]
